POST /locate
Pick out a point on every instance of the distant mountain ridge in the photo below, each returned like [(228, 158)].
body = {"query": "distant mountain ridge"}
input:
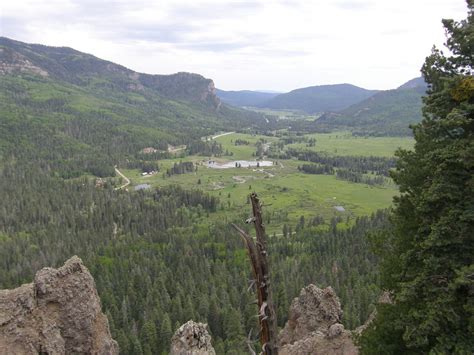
[(345, 106), (388, 112), (319, 98)]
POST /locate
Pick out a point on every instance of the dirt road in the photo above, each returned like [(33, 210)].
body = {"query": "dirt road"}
[(127, 180)]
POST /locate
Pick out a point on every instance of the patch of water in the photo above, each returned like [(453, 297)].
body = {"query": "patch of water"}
[(142, 187), (238, 163)]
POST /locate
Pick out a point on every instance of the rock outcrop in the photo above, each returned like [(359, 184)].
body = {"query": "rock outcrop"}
[(183, 86), (59, 313), (192, 339), (314, 325), (13, 62)]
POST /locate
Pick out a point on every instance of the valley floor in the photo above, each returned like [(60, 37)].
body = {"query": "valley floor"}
[(288, 193)]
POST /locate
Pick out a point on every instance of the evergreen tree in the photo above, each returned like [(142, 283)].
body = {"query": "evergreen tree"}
[(427, 260), (136, 346), (165, 332), (235, 333), (149, 335), (215, 318)]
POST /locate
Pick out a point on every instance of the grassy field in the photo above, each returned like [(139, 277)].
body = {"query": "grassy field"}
[(242, 152), (286, 192), (343, 143)]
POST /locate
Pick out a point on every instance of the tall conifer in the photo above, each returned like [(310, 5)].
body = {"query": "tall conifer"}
[(427, 260)]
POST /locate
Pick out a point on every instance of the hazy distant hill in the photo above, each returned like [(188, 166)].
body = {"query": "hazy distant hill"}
[(244, 97), (388, 112), (72, 109), (319, 98), (414, 83)]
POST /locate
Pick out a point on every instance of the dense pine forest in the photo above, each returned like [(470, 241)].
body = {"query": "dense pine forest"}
[(158, 262)]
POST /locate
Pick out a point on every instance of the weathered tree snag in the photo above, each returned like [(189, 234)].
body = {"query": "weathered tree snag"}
[(258, 258)]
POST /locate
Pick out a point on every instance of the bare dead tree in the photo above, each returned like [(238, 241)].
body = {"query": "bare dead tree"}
[(257, 250)]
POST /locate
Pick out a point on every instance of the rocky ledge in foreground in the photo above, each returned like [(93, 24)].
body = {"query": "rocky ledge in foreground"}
[(59, 313), (314, 325), (192, 339)]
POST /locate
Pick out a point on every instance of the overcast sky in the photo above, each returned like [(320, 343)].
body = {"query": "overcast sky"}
[(271, 44)]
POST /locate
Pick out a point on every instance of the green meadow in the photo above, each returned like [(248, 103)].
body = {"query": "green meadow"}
[(286, 192), (344, 143), (242, 152)]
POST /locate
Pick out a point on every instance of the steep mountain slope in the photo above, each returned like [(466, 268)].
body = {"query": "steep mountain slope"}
[(75, 112), (245, 97), (74, 67), (388, 112), (320, 98)]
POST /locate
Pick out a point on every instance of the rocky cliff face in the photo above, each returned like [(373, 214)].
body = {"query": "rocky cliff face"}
[(12, 62), (183, 86), (59, 313), (314, 325), (192, 339)]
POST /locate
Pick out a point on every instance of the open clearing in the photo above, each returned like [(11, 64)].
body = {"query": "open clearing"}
[(344, 143), (286, 192)]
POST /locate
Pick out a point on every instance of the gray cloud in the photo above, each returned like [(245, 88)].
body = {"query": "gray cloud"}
[(213, 11), (283, 53), (12, 27), (214, 46), (110, 20), (160, 33), (181, 26), (184, 36), (104, 9)]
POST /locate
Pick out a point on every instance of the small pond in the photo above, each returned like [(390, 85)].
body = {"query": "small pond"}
[(142, 187), (239, 163)]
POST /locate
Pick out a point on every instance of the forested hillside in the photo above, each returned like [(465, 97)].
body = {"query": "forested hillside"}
[(74, 67), (387, 113), (321, 98), (75, 113)]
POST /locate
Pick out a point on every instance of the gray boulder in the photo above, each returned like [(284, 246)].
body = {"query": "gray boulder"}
[(192, 339), (314, 325), (59, 313)]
